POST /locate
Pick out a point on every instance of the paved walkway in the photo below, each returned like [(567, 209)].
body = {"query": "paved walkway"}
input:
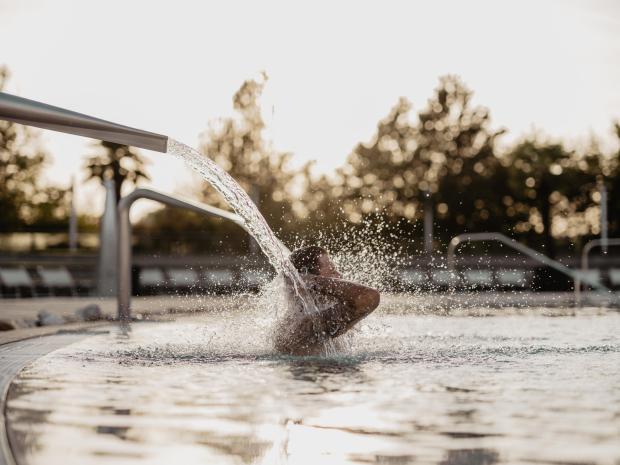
[(23, 312)]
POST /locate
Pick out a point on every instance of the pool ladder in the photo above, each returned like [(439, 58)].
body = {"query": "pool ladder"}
[(578, 276)]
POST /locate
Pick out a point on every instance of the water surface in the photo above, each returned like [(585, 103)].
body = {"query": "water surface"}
[(412, 389)]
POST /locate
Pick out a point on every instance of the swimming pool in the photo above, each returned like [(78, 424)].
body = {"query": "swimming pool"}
[(411, 389)]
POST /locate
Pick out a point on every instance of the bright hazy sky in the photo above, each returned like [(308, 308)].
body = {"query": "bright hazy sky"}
[(335, 68)]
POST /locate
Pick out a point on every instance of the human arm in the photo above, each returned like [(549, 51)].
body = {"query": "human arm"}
[(354, 302)]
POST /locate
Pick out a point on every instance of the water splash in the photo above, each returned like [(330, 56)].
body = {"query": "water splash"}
[(253, 221)]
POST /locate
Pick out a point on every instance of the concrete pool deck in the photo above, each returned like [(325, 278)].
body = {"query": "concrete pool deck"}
[(23, 313)]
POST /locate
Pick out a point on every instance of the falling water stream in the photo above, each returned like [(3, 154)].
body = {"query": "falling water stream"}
[(253, 220)]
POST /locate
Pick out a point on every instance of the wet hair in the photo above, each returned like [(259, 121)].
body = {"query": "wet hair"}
[(306, 259)]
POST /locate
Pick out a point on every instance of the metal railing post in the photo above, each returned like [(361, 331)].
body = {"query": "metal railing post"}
[(586, 252), (107, 263), (124, 260)]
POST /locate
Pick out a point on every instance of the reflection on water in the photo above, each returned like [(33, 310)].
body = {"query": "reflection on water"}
[(412, 389), (470, 457)]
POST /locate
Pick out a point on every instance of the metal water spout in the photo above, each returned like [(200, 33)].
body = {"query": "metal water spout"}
[(32, 113)]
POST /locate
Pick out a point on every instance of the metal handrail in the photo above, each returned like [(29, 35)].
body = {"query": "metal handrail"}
[(584, 258), (124, 237), (476, 237)]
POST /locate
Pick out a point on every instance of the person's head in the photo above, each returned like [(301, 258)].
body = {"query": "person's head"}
[(313, 260)]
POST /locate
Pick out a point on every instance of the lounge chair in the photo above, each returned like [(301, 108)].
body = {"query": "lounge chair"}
[(151, 280), (183, 278), (254, 279), (218, 278), (511, 278), (478, 278), (412, 278), (14, 281), (445, 278), (57, 278)]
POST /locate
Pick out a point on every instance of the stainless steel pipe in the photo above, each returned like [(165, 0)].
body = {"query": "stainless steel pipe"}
[(124, 236), (32, 113), (575, 275)]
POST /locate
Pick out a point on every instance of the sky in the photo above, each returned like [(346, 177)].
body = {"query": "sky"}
[(335, 69)]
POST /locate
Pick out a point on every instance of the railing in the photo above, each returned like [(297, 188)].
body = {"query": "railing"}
[(124, 238), (576, 276), (584, 259)]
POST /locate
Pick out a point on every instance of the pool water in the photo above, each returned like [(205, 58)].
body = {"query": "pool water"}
[(411, 389)]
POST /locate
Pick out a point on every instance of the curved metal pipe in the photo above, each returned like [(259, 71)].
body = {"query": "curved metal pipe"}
[(574, 274), (584, 258), (32, 113), (124, 237), (615, 241)]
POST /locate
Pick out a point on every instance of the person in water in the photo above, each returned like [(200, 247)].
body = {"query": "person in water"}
[(341, 305)]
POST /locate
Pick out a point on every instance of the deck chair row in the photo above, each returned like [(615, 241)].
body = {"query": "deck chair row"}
[(503, 278), (43, 281), (155, 279)]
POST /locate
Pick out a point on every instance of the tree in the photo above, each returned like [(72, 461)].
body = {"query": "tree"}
[(456, 147), (547, 182), (120, 163), (381, 176), (613, 184), (237, 145), (24, 202), (178, 231), (449, 153), (319, 206)]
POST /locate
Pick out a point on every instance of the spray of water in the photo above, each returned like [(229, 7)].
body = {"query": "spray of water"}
[(253, 221)]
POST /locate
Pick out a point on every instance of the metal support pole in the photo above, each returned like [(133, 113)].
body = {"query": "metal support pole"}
[(428, 223), (108, 237), (124, 261), (603, 209), (73, 221), (254, 192)]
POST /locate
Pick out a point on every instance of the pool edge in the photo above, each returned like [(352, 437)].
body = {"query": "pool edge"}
[(19, 351)]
